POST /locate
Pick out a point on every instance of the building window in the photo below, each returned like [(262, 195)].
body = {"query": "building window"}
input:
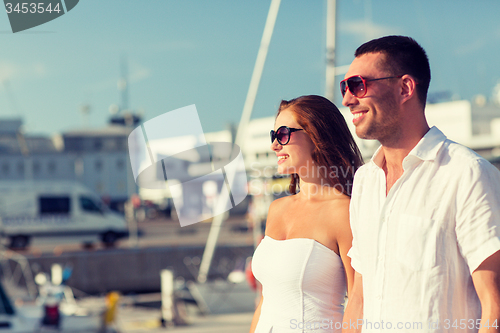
[(99, 187), (120, 164), (52, 167), (109, 144), (98, 144), (98, 165), (36, 167), (120, 186), (121, 143), (20, 167), (5, 168), (74, 144)]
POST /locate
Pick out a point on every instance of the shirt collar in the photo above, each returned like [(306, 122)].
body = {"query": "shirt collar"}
[(425, 150)]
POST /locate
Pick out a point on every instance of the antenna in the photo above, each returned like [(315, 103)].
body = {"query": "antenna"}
[(123, 84)]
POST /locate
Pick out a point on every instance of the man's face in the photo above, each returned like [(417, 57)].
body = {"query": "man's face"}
[(376, 114)]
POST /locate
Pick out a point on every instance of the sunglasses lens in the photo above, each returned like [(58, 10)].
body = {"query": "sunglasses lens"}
[(272, 136), (283, 135), (343, 88), (356, 86)]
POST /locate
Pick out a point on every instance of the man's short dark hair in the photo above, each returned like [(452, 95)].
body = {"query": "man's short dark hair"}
[(403, 56)]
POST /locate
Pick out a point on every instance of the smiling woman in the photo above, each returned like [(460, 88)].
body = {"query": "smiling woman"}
[(307, 234), (332, 145)]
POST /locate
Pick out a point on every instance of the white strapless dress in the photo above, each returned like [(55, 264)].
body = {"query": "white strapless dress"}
[(303, 285)]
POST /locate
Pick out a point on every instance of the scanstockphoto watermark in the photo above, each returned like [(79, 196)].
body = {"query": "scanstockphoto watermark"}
[(447, 324), (354, 324), (26, 14)]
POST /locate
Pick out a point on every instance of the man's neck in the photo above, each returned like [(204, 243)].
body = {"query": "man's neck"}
[(395, 152)]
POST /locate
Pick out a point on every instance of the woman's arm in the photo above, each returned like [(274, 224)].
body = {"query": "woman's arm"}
[(353, 315), (256, 315), (354, 309), (344, 241)]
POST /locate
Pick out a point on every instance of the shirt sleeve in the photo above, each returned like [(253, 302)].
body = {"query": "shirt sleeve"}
[(478, 213), (353, 209)]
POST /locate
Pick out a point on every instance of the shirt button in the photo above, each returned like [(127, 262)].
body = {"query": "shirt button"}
[(379, 297), (380, 258)]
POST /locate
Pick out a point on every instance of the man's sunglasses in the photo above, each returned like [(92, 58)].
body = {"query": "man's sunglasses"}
[(357, 85), (282, 134)]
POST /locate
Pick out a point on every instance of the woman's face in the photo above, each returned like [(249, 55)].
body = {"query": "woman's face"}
[(295, 156)]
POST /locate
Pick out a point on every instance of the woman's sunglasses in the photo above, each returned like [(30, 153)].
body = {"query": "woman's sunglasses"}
[(357, 85), (282, 134)]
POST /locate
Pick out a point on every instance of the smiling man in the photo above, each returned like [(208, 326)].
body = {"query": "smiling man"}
[(425, 211)]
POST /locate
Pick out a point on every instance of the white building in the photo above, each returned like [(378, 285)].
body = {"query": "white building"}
[(96, 158)]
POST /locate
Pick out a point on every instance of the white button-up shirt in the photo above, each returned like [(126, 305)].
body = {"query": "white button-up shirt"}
[(417, 247)]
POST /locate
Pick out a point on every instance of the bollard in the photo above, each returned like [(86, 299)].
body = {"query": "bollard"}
[(167, 297), (108, 316), (56, 272)]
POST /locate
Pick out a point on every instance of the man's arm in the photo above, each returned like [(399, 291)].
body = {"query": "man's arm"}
[(486, 279), (353, 314)]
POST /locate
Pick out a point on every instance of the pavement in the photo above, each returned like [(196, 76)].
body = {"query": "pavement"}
[(148, 321), (228, 307)]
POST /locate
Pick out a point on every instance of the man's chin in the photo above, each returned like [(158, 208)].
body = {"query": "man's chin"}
[(360, 133)]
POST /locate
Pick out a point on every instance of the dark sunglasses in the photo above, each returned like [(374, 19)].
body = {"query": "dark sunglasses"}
[(282, 134), (357, 84)]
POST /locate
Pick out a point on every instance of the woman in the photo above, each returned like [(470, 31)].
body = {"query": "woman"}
[(302, 261)]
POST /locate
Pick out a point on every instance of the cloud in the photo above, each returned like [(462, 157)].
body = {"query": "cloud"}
[(173, 45), (365, 30), (471, 47), (137, 73), (10, 70), (7, 71)]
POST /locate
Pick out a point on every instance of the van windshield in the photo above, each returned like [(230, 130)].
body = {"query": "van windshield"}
[(90, 205)]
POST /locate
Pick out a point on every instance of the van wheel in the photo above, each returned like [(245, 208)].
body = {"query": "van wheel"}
[(19, 242), (109, 239), (87, 245)]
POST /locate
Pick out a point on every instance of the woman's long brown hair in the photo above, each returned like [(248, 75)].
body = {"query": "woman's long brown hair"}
[(335, 149)]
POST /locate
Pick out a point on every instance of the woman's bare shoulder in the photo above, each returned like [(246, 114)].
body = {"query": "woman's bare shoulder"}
[(281, 204), (336, 213), (276, 216)]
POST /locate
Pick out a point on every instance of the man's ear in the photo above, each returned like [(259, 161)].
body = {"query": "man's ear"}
[(408, 88)]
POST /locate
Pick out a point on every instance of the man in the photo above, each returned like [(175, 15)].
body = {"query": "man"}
[(425, 211)]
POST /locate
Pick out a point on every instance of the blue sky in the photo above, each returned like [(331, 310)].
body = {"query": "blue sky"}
[(203, 52)]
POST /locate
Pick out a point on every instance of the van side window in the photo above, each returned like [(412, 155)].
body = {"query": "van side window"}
[(54, 205), (89, 205)]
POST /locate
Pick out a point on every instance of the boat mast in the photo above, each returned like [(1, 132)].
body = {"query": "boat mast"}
[(331, 21), (241, 132)]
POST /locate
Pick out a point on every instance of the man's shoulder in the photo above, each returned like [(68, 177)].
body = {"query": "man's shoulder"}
[(460, 154), (463, 160)]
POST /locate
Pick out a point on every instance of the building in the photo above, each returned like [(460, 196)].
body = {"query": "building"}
[(101, 162), (97, 158)]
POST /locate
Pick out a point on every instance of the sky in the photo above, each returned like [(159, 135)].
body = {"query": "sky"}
[(202, 52)]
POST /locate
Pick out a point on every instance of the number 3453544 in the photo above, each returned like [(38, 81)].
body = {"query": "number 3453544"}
[(32, 8)]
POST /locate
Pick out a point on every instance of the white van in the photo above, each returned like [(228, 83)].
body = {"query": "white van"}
[(53, 209)]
